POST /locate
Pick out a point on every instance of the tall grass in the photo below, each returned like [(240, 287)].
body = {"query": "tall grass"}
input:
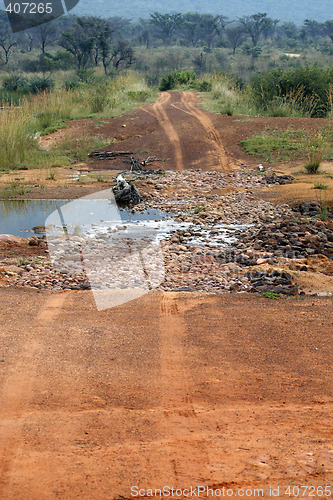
[(315, 153), (330, 101), (21, 125), (226, 97), (295, 103)]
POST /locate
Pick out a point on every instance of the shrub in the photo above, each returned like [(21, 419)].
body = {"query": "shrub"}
[(176, 78), (204, 86), (41, 84), (152, 81), (99, 100), (303, 89), (15, 83)]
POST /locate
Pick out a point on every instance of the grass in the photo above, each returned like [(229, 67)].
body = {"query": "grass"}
[(320, 185), (282, 145), (21, 126), (14, 190), (270, 295), (226, 98), (315, 153)]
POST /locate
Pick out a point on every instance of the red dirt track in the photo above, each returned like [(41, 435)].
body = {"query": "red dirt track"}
[(170, 389), (173, 389)]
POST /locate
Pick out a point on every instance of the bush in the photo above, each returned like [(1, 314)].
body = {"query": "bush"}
[(303, 89), (138, 95), (152, 81), (15, 83), (176, 78), (99, 100), (316, 153), (204, 86), (41, 84)]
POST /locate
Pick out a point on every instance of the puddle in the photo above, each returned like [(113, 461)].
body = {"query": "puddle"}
[(18, 217), (93, 217)]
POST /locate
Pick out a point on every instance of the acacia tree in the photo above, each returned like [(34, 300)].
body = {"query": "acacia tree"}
[(79, 43), (210, 27), (166, 24), (7, 42), (45, 34), (235, 35), (119, 55), (101, 31), (257, 25), (189, 27)]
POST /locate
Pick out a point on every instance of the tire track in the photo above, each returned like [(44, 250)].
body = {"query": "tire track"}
[(186, 448), (164, 121), (17, 390), (188, 99)]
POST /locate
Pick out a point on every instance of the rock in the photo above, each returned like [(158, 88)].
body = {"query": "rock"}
[(33, 241), (39, 229), (8, 238), (12, 270)]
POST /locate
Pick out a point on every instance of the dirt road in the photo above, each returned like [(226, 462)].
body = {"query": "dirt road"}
[(171, 389)]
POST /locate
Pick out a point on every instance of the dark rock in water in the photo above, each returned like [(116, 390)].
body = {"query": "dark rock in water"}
[(128, 196), (39, 229), (125, 193)]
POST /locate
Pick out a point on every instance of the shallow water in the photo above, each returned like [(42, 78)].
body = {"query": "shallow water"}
[(18, 217), (91, 217)]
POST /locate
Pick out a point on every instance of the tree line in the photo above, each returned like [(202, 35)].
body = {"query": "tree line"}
[(90, 41)]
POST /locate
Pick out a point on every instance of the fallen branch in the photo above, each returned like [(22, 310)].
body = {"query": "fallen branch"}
[(101, 155)]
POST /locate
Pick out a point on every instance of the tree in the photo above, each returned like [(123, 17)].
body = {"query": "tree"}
[(199, 63), (210, 27), (236, 35), (101, 31), (167, 24), (190, 27), (328, 29), (45, 34), (79, 43), (289, 30), (7, 42), (122, 54), (144, 37), (257, 25)]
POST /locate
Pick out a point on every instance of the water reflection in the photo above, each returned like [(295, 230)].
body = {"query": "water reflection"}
[(18, 217)]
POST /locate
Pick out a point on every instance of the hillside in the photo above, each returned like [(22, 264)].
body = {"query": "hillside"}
[(285, 10)]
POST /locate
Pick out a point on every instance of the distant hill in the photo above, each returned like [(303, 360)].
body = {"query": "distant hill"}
[(285, 10)]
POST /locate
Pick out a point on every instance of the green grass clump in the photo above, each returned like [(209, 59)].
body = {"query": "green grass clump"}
[(270, 295), (14, 190), (320, 185), (316, 153), (291, 144)]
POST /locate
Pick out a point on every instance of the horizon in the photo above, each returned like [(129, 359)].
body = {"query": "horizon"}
[(297, 11)]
